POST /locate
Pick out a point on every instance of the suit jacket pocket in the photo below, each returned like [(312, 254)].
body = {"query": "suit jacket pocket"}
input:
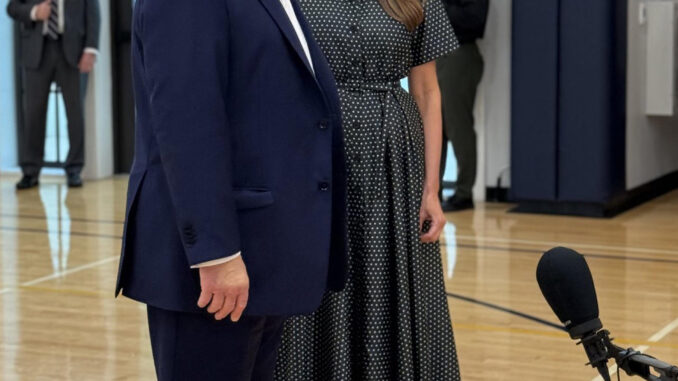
[(26, 30), (256, 223), (252, 198)]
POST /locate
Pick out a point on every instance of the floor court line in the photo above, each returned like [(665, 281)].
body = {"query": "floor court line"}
[(66, 291), (72, 219), (74, 270), (549, 333), (71, 233), (507, 310), (660, 335), (588, 255), (60, 274), (569, 244)]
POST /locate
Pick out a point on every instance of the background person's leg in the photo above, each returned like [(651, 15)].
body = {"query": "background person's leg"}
[(37, 83), (70, 80), (459, 75)]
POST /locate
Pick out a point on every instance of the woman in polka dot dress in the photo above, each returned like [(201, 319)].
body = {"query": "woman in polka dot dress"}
[(392, 321)]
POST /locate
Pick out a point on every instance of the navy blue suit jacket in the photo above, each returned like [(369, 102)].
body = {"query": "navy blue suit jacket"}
[(238, 148)]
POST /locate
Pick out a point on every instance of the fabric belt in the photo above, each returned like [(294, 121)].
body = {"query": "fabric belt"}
[(369, 86), (376, 184)]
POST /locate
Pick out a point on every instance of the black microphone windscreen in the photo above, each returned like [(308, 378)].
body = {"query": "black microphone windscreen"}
[(567, 284)]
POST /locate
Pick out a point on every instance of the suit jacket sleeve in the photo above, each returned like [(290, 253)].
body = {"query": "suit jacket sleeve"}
[(185, 54), (20, 11), (93, 27)]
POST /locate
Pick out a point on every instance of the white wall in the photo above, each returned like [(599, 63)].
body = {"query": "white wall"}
[(8, 144), (493, 107), (99, 107), (651, 142)]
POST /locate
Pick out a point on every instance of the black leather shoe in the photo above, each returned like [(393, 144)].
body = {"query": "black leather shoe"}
[(74, 180), (27, 182), (456, 204)]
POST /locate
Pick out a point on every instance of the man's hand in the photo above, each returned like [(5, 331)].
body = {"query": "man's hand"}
[(43, 10), (87, 62), (227, 286)]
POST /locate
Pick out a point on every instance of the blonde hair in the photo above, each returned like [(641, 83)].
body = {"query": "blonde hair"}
[(408, 12)]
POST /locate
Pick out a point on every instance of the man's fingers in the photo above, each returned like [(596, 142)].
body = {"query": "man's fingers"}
[(240, 306), (204, 299), (217, 303), (226, 309)]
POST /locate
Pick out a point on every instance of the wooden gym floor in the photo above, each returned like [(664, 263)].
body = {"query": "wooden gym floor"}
[(58, 262)]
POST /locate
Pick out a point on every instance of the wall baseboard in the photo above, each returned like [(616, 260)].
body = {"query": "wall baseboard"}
[(617, 205), (496, 194)]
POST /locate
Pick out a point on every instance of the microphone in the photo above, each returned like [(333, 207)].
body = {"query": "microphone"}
[(567, 284)]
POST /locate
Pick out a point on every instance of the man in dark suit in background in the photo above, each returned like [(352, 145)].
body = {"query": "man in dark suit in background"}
[(459, 74), (236, 199), (59, 42)]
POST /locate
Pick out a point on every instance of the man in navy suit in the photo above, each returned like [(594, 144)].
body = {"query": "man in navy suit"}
[(236, 199)]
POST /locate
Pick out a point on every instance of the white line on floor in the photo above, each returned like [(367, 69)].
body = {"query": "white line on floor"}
[(664, 332), (657, 337), (61, 274), (69, 271), (569, 244)]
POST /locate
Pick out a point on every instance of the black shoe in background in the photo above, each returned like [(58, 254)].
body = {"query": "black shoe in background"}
[(74, 180), (456, 204), (27, 182)]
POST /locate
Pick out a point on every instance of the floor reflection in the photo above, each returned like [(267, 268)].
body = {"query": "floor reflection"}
[(450, 236), (9, 301), (58, 221)]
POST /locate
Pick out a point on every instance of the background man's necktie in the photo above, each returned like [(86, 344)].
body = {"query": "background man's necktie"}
[(53, 21)]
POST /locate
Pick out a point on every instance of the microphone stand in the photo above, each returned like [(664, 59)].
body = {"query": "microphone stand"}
[(600, 349)]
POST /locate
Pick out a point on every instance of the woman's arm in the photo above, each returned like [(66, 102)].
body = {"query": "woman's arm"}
[(424, 88)]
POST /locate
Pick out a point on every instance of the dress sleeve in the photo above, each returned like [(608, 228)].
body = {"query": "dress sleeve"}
[(434, 37)]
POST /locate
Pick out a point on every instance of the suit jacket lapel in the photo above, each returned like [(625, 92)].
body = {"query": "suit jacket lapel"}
[(323, 74), (275, 9)]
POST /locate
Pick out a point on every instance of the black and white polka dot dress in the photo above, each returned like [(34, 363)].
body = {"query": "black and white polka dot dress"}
[(392, 321)]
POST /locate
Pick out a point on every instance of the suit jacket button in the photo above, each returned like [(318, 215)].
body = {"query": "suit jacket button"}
[(324, 186), (323, 125)]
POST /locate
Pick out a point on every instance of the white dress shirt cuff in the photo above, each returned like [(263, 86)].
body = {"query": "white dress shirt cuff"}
[(93, 51), (215, 262), (34, 10)]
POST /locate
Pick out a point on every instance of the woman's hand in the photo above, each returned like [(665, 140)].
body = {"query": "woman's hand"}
[(433, 212)]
